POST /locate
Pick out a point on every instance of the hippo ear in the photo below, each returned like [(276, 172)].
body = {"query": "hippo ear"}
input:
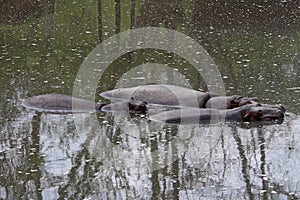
[(254, 99)]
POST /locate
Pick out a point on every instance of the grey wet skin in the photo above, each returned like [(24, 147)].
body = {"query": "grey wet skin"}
[(246, 113), (59, 103), (168, 95), (171, 95), (230, 102)]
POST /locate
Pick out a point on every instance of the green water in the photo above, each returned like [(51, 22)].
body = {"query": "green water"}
[(256, 48)]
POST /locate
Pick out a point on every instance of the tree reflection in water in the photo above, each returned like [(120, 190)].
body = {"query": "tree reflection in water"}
[(140, 159)]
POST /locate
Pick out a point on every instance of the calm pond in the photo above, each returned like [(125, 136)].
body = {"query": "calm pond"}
[(85, 47)]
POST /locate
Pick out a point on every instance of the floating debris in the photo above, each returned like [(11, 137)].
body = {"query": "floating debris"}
[(294, 88)]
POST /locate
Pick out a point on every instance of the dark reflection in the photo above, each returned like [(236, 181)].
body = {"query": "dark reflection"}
[(100, 24), (259, 124), (34, 157), (48, 34), (80, 185), (13, 12), (154, 176), (118, 15), (245, 165), (132, 13), (165, 178), (154, 13), (20, 165), (245, 14), (263, 164), (114, 135), (49, 19)]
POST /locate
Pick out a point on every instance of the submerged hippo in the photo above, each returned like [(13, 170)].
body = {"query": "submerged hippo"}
[(171, 95), (247, 113), (59, 103)]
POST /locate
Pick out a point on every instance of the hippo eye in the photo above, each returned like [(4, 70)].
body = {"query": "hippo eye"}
[(260, 113), (233, 103)]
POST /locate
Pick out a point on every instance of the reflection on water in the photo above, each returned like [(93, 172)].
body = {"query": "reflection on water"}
[(256, 47), (133, 158)]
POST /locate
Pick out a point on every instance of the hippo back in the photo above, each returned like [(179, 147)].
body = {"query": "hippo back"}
[(161, 95), (59, 103)]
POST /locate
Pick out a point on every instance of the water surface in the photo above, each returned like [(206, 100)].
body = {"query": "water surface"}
[(109, 156)]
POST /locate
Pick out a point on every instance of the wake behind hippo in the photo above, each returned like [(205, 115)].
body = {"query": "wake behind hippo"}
[(247, 113), (60, 103), (171, 95)]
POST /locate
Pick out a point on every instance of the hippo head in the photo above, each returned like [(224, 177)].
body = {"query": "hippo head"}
[(253, 113), (230, 102), (137, 107), (238, 101)]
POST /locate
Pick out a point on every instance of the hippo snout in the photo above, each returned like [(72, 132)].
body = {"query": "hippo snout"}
[(263, 112), (273, 114)]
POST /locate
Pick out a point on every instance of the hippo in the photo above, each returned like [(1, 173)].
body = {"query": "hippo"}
[(171, 95), (60, 103), (168, 95), (230, 102), (246, 113)]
